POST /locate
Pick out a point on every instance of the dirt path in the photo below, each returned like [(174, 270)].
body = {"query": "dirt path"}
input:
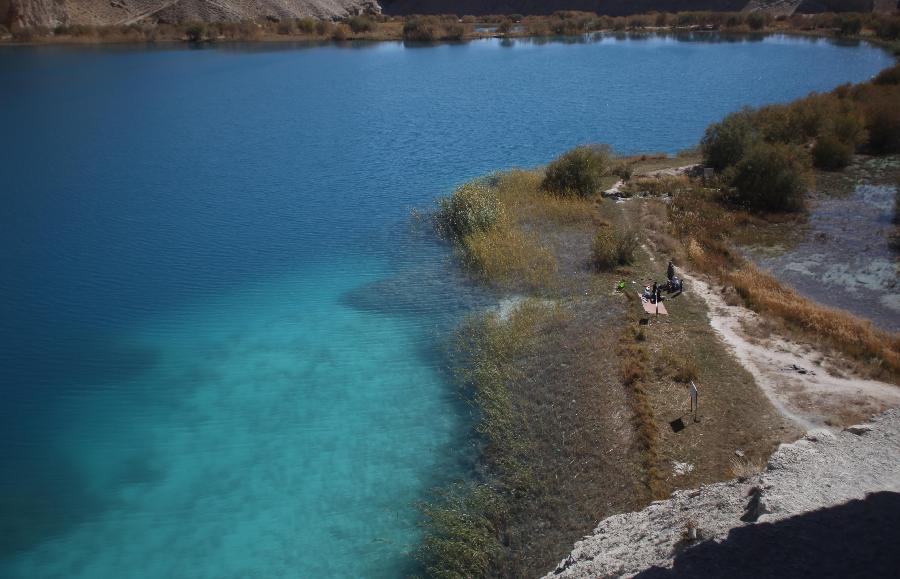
[(791, 375)]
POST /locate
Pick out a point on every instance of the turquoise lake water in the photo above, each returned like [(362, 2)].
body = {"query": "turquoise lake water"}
[(222, 347)]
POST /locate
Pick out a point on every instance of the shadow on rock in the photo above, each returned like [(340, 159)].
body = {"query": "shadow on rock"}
[(856, 539)]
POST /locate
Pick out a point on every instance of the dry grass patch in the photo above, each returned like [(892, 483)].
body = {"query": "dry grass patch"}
[(634, 361), (509, 257), (678, 364), (521, 195), (851, 335), (743, 468)]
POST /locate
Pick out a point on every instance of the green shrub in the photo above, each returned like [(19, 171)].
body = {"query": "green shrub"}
[(473, 207), (454, 31), (756, 20), (831, 153), (612, 248), (624, 170), (323, 28), (723, 143), (306, 25), (578, 172), (882, 118), (195, 32), (850, 26), (359, 24), (808, 116), (771, 177), (888, 76), (421, 28)]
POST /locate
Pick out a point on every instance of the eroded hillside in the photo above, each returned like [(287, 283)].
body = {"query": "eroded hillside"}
[(111, 12), (52, 13)]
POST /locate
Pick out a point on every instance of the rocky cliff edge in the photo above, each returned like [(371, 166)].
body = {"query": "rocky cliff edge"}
[(826, 505)]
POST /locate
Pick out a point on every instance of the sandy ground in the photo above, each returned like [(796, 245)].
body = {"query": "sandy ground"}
[(793, 376)]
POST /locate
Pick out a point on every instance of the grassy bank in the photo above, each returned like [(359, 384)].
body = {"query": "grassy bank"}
[(574, 403), (882, 29)]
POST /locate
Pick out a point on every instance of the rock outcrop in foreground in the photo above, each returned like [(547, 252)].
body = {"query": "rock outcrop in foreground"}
[(827, 505)]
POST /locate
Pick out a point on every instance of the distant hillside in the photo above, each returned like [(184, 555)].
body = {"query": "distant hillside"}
[(542, 7), (52, 13), (613, 7), (102, 12)]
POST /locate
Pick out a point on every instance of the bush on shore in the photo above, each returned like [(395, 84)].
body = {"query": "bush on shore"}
[(771, 177), (431, 28), (360, 24), (724, 143), (196, 32), (579, 172), (612, 248), (473, 207), (882, 116), (831, 153)]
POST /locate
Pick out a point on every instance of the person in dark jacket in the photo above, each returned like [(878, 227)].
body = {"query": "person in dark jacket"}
[(670, 272)]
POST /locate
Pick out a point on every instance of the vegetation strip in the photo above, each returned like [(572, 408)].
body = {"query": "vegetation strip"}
[(509, 229), (881, 28)]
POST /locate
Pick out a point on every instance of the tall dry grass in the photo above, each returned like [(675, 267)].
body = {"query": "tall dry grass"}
[(655, 186), (634, 359), (856, 337)]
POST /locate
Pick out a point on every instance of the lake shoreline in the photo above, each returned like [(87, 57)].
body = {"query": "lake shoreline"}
[(892, 47)]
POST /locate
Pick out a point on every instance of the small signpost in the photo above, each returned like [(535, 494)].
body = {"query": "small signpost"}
[(695, 400)]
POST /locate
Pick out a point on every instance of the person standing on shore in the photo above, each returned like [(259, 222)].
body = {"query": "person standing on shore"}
[(670, 272)]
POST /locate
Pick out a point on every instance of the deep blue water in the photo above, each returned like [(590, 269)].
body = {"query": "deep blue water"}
[(220, 351)]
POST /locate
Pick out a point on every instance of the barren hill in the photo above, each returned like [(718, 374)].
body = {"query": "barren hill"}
[(620, 7), (104, 12)]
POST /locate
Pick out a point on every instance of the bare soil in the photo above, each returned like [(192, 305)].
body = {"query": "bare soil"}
[(804, 384)]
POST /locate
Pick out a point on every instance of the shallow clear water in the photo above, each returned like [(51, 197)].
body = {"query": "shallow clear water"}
[(221, 344)]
